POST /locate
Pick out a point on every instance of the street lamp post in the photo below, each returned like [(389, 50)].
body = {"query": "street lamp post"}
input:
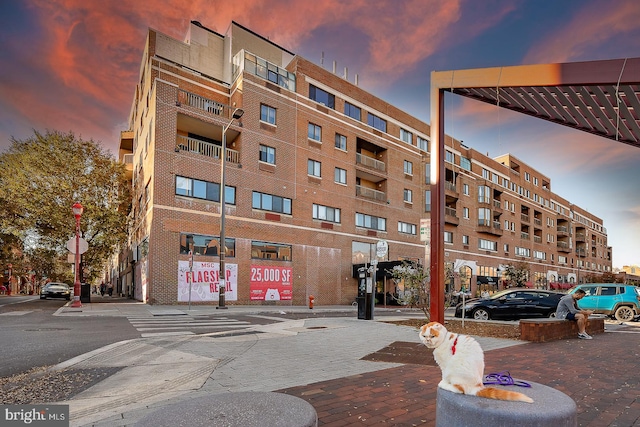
[(77, 212), (222, 282)]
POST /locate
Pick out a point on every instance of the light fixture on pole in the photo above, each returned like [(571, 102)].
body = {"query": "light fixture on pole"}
[(222, 282), (77, 212)]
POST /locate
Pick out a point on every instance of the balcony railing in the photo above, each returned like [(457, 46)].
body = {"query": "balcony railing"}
[(491, 227), (537, 239), (370, 162), (200, 102), (451, 186), (538, 222), (524, 217), (524, 236), (370, 193), (449, 211), (205, 148)]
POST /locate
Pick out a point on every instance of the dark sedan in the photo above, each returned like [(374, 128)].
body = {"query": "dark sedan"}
[(512, 304), (55, 290)]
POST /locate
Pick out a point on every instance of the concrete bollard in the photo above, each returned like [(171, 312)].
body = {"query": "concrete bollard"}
[(241, 409), (550, 408)]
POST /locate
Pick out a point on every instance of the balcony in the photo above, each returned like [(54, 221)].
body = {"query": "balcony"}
[(537, 239), (490, 227), (562, 231), (524, 217), (370, 193), (581, 253), (201, 103), (204, 148), (524, 236), (370, 162), (580, 237), (564, 247), (450, 216)]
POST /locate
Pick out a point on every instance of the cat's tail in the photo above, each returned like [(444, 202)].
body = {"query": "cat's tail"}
[(501, 394)]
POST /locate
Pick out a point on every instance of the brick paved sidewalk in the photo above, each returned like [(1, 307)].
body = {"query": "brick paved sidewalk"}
[(601, 375)]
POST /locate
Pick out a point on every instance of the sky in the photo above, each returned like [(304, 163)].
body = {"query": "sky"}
[(72, 65)]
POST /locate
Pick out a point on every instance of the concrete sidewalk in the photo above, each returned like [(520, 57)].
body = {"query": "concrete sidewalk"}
[(324, 360)]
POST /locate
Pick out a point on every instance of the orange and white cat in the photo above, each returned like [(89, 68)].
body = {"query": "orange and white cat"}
[(461, 361)]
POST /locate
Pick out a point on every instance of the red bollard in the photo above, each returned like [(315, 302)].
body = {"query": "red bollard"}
[(311, 301)]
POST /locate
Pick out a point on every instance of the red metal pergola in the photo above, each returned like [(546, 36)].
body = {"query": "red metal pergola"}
[(598, 97)]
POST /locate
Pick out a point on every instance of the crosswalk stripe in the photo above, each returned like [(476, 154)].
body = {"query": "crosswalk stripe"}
[(178, 325)]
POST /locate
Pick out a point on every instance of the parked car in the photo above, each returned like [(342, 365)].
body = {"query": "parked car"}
[(512, 304), (613, 299), (55, 290)]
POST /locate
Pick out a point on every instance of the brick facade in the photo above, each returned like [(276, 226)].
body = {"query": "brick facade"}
[(176, 106)]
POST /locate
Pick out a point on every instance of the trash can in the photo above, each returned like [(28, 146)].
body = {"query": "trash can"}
[(85, 292)]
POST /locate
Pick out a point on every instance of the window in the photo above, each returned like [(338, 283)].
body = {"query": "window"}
[(406, 136), (204, 190), (340, 176), (371, 222), (448, 237), (484, 216), (523, 252), (267, 154), (449, 156), (465, 240), (315, 132), (465, 163), (535, 181), (465, 213), (408, 196), (423, 144), (205, 245), (313, 168), (268, 202), (484, 194), (465, 189), (266, 70), (527, 177), (326, 213), (322, 96), (427, 201), (352, 111), (267, 114), (485, 174), (406, 228), (506, 247), (266, 250), (341, 142), (377, 122), (487, 245), (539, 255), (408, 167)]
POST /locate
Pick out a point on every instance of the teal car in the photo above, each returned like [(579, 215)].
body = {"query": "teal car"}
[(613, 299)]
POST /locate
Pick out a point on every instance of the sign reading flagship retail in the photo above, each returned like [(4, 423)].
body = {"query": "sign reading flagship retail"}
[(205, 281)]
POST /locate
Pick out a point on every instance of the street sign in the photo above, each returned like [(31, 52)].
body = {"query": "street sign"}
[(425, 230), (83, 245), (381, 248)]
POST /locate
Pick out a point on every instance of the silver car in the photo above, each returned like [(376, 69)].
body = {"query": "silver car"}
[(56, 290)]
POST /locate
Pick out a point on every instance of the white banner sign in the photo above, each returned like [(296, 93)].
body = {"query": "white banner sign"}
[(205, 281)]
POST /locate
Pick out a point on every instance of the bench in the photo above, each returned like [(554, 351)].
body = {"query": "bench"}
[(542, 330)]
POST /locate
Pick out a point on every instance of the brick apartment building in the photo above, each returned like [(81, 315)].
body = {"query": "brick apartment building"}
[(317, 172)]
